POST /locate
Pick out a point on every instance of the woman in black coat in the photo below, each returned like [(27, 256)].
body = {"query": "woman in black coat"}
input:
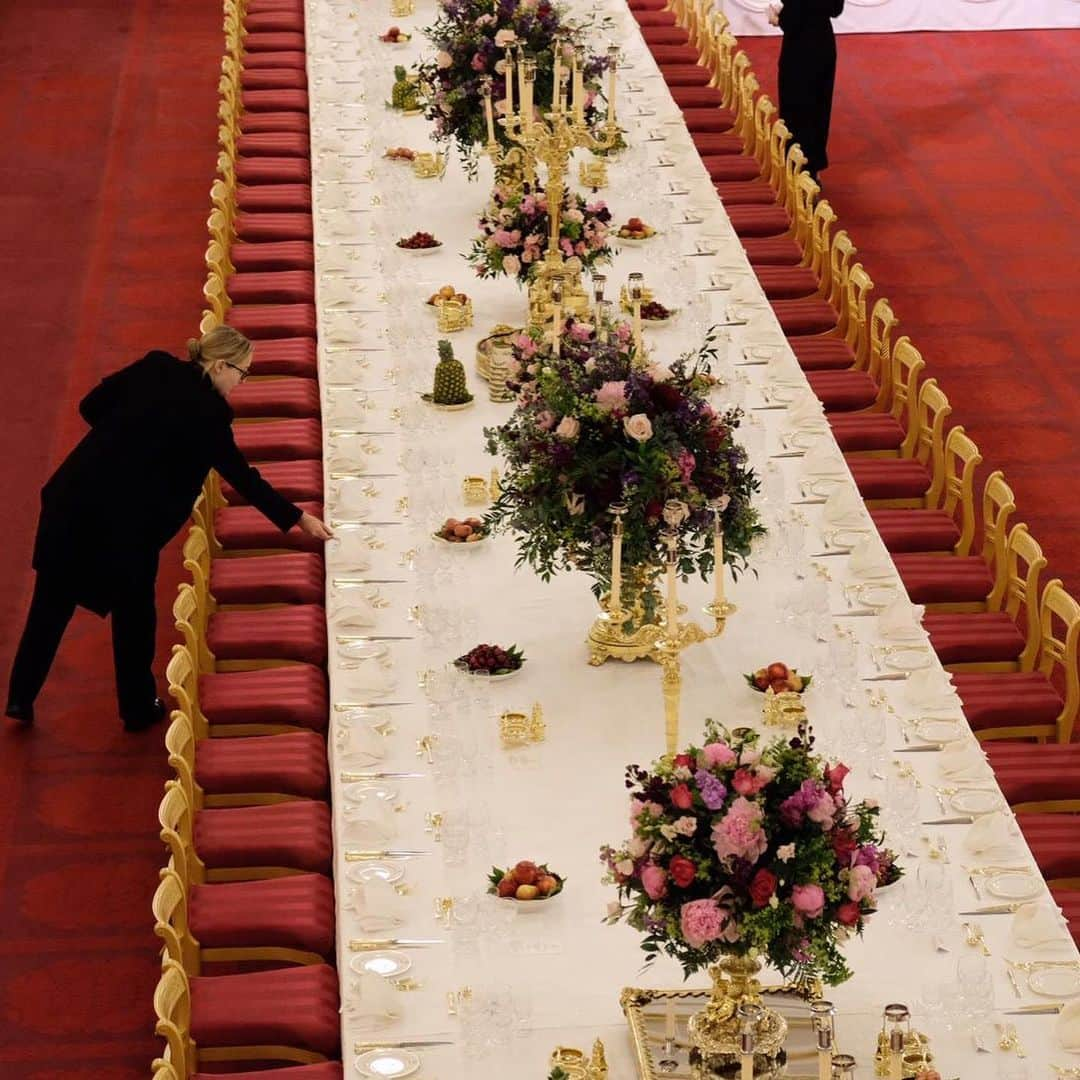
[(157, 427), (807, 73)]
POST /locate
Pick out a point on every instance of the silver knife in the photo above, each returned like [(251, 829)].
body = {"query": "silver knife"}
[(888, 676), (965, 819), (1049, 1009), (390, 853), (928, 748), (400, 1044), (364, 777), (360, 945), (996, 909)]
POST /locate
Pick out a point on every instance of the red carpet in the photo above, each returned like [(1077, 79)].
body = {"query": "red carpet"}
[(107, 113), (956, 175)]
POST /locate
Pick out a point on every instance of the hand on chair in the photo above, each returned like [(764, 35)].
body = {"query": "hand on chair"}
[(314, 527)]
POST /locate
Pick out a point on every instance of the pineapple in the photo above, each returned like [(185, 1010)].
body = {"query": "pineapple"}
[(405, 95), (449, 387)]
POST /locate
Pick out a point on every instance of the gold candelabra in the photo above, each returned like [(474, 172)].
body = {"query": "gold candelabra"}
[(662, 642)]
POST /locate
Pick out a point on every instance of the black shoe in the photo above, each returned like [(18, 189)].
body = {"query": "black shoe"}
[(22, 714), (155, 714)]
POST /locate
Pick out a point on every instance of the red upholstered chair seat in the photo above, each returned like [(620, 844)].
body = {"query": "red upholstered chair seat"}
[(280, 440), (685, 73), (273, 320), (260, 122), (286, 356), (785, 282), (268, 80), (294, 912), (711, 143), (675, 54), (759, 220), (843, 391), (296, 578), (890, 478), (290, 764), (1054, 840), (243, 528), (323, 1070), (279, 255), (288, 834), (295, 1006), (865, 431), (295, 58), (700, 97), (1069, 902), (276, 397), (295, 695), (810, 315), (300, 481), (942, 579), (1035, 773), (973, 637), (746, 193), (725, 168), (275, 100), (260, 228), (916, 530), (664, 35), (297, 632), (273, 41), (272, 287), (654, 18), (772, 250), (274, 19), (274, 144), (273, 170), (708, 118), (1011, 699), (274, 5), (822, 353)]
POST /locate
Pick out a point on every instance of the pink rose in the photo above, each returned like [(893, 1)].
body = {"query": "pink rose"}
[(717, 753), (848, 914), (545, 420), (443, 59), (861, 883), (511, 264), (581, 331), (654, 881), (681, 797), (809, 900), (569, 428), (701, 921), (638, 427), (478, 63), (611, 395), (835, 775), (504, 38), (748, 781)]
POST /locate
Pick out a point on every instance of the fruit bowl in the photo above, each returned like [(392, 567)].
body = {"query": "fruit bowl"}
[(535, 893), (655, 314), (420, 243), (635, 231), (400, 153), (395, 36), (461, 532), (779, 678), (492, 662)]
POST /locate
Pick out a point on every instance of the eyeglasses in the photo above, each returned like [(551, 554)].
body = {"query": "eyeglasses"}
[(244, 373)]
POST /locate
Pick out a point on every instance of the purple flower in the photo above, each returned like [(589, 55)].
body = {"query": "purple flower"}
[(713, 792)]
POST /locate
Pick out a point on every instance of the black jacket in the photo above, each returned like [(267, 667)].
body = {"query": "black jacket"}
[(808, 16), (157, 427)]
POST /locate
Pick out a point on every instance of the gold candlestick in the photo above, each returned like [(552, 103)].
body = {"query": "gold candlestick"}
[(599, 282), (896, 1019), (604, 318), (750, 1016), (720, 608), (635, 287), (821, 1017), (618, 511), (843, 1067)]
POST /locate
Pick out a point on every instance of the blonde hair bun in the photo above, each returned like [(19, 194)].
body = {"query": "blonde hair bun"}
[(223, 344)]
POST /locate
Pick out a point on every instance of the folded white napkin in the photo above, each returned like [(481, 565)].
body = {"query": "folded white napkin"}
[(963, 759), (823, 459), (869, 561), (1067, 1027), (335, 197), (372, 821), (357, 616), (805, 410), (348, 552), (343, 223), (1038, 925), (930, 688), (333, 292), (371, 997), (331, 167), (844, 507), (358, 742), (376, 897), (782, 372), (902, 621), (368, 678), (991, 832)]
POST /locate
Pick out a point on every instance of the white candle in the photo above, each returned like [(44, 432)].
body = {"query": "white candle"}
[(613, 54), (672, 613), (718, 556), (488, 113), (556, 72), (509, 83), (527, 94), (616, 587), (824, 1064), (579, 85)]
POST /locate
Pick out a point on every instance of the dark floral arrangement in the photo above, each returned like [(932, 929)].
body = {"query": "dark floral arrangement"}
[(592, 428), (470, 38), (742, 850), (515, 229)]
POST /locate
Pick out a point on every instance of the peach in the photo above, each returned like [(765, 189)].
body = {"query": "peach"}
[(464, 531), (546, 884), (527, 892)]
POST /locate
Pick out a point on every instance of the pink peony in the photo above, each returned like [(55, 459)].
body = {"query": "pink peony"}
[(717, 753), (861, 883), (569, 428), (478, 63), (525, 345), (611, 395), (581, 331), (809, 900), (739, 833), (638, 427), (701, 921), (654, 881), (507, 238), (567, 246), (823, 811), (511, 264), (545, 420)]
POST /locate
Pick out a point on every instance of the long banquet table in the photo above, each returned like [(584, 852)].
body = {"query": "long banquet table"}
[(394, 472)]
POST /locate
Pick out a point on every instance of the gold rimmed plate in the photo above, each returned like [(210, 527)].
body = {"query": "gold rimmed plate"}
[(387, 1064), (1055, 982), (1013, 885)]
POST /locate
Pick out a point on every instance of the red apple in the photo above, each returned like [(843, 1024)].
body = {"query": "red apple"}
[(507, 886), (526, 873), (778, 671)]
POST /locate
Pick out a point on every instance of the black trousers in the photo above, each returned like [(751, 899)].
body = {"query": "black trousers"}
[(134, 628), (807, 75)]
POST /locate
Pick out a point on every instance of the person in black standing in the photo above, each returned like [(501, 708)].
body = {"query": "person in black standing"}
[(157, 427), (807, 73)]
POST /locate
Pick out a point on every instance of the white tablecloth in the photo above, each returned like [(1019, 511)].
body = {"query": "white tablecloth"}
[(560, 800)]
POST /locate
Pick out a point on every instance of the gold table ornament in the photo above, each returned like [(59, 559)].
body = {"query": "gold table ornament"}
[(577, 1066), (453, 315), (593, 174), (902, 1053), (474, 490), (518, 729), (427, 166), (401, 9)]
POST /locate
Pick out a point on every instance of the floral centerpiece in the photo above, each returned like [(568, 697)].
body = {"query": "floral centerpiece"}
[(592, 428), (515, 229), (470, 38), (745, 851)]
